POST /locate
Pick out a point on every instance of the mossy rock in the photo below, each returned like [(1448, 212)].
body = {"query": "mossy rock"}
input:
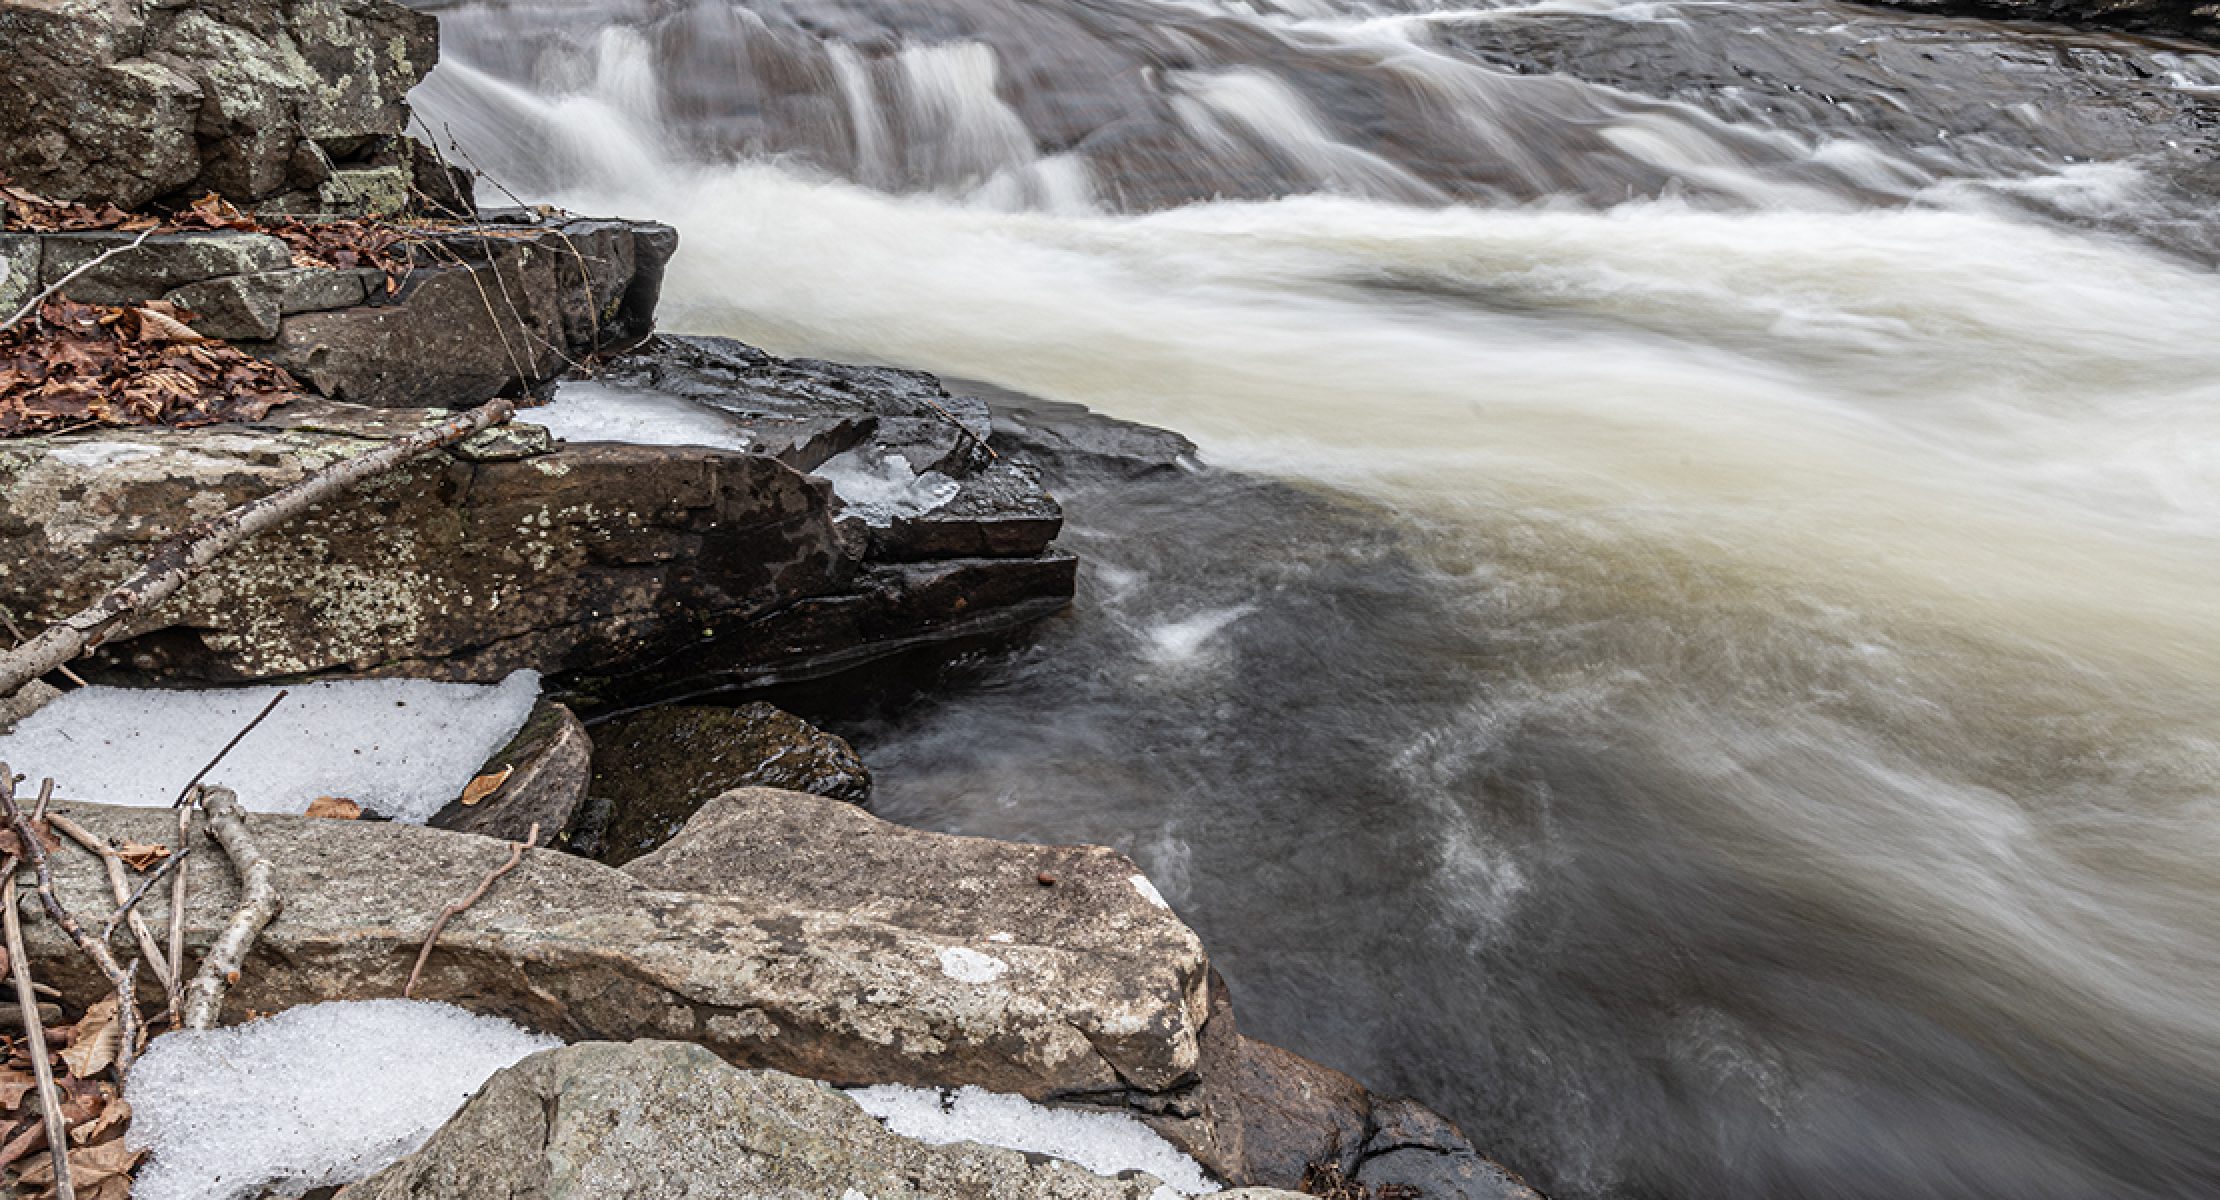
[(655, 769)]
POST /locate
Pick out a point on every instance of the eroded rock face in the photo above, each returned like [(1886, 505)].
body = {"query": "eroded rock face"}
[(571, 560), (295, 102), (894, 991), (657, 768), (670, 1120)]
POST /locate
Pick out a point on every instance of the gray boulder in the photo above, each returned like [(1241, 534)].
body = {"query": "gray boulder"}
[(263, 101), (548, 765), (657, 768), (670, 1120), (888, 990)]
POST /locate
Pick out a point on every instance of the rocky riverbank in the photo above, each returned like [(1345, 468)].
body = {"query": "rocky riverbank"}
[(667, 518)]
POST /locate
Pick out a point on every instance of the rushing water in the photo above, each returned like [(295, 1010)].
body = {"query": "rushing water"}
[(1731, 705)]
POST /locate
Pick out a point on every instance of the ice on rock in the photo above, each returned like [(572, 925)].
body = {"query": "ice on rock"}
[(881, 489), (401, 748), (318, 1095), (1106, 1143), (584, 411)]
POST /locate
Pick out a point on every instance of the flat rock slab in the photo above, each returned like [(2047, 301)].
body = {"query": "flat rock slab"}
[(671, 1121), (574, 948)]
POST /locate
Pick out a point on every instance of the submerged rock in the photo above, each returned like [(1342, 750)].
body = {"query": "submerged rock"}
[(657, 768), (666, 1119)]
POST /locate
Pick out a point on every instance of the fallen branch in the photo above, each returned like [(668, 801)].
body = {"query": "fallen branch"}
[(184, 555), (177, 909), (128, 907), (259, 904), (516, 855), (119, 977), (118, 884), (33, 305), (34, 1033), (185, 793)]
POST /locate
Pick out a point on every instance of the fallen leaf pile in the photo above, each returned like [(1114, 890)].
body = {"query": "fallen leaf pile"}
[(99, 1164), (76, 365), (315, 242)]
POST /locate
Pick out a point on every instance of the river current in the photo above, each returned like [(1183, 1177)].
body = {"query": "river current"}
[(1702, 658)]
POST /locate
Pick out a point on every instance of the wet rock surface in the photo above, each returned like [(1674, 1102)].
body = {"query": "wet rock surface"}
[(667, 1119), (655, 769), (294, 103)]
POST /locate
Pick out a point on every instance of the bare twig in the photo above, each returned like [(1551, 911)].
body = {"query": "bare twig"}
[(34, 1033), (259, 904), (32, 305), (120, 886), (182, 556), (128, 907), (516, 855), (127, 1005), (185, 792), (16, 632), (176, 997)]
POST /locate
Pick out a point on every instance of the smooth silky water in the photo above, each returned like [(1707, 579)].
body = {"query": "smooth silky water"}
[(1703, 658)]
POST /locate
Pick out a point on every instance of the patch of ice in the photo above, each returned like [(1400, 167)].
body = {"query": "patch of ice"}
[(970, 966), (317, 1095), (880, 490), (1106, 1143), (402, 748), (1148, 891), (585, 411)]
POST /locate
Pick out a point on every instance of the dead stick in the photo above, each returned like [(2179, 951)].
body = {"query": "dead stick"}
[(127, 1004), (33, 305), (184, 555), (177, 911), (34, 1033), (146, 885), (16, 632), (229, 746), (259, 904), (120, 886), (516, 855)]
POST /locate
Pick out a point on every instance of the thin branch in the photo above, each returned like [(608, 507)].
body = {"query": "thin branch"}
[(16, 632), (176, 998), (125, 910), (196, 547), (259, 904), (120, 886), (229, 746), (32, 305), (34, 1031), (516, 855), (127, 1005)]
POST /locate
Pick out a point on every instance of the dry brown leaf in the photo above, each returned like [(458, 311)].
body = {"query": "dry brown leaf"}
[(338, 808), (89, 1166), (139, 855), (486, 785), (14, 1085), (113, 1116), (161, 327), (94, 1044)]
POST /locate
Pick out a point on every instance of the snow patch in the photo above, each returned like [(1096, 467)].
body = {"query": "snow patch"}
[(1001, 937), (584, 411), (402, 748), (880, 490), (1106, 1143), (1148, 891), (970, 966), (317, 1095)]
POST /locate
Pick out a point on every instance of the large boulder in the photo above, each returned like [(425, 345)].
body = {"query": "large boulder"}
[(657, 768), (669, 1120), (952, 965), (298, 103), (570, 560)]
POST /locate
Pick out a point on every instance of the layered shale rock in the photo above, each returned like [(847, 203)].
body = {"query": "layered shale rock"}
[(298, 104), (880, 992)]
